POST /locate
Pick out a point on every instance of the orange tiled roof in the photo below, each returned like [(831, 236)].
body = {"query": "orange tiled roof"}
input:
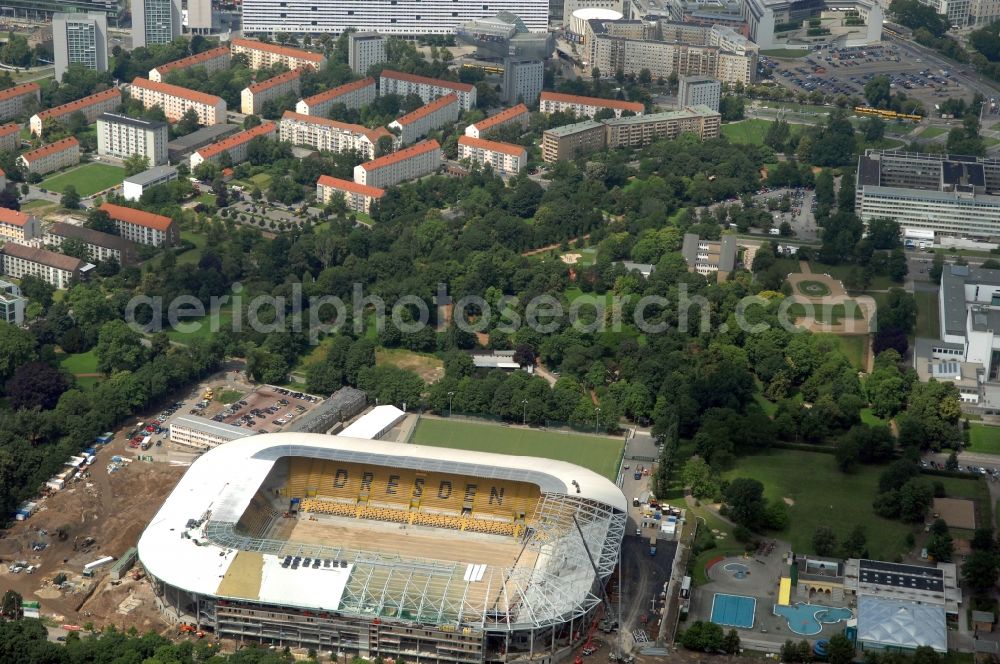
[(275, 80), (501, 117), (372, 134), (176, 91), (13, 217), (18, 90), (593, 101), (192, 60), (278, 49), (396, 157), (137, 217), (348, 185), (495, 146), (11, 128), (51, 148), (344, 89), (237, 139), (427, 109), (79, 104)]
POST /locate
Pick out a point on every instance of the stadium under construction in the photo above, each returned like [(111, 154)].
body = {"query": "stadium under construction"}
[(373, 548)]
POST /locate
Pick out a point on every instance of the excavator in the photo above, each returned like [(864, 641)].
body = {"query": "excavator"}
[(186, 628)]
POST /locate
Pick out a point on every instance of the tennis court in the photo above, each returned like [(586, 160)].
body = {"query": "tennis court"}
[(733, 610)]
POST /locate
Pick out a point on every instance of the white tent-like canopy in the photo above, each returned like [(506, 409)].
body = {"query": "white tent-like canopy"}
[(889, 623)]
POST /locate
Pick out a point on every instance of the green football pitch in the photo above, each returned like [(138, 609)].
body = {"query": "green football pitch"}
[(598, 453)]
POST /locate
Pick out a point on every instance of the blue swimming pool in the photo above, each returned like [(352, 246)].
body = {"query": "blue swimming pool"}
[(733, 610), (808, 619)]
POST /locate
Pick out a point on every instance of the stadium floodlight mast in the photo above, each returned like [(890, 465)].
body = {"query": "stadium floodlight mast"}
[(450, 395), (525, 402), (597, 419)]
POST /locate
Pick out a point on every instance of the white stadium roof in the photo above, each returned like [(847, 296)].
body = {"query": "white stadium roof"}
[(191, 543)]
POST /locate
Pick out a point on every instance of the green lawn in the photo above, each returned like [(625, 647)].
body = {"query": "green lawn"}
[(192, 256), (80, 363), (989, 141), (832, 314), (927, 314), (984, 438), (229, 396), (204, 326), (879, 282), (871, 419), (600, 454), (769, 407), (855, 348), (932, 132), (822, 495), (37, 205), (88, 179), (750, 132)]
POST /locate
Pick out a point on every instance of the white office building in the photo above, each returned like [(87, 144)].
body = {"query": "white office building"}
[(155, 22), (364, 50), (79, 39), (202, 433), (121, 137), (699, 91), (135, 185), (389, 17), (199, 17)]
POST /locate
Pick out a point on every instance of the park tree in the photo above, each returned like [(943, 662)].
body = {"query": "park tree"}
[(35, 384), (119, 348), (979, 570), (17, 347), (840, 650), (731, 644), (10, 606), (745, 502), (76, 248), (855, 544), (135, 163), (188, 122), (877, 91), (824, 541), (70, 198), (778, 133), (699, 476), (99, 220), (940, 546)]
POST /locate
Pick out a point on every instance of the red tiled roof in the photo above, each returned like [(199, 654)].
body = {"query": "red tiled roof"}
[(348, 185), (501, 117), (593, 101), (51, 148), (137, 217), (396, 157), (8, 129), (427, 109), (495, 146), (192, 60), (439, 82), (18, 90), (275, 80), (13, 217), (344, 89), (176, 91), (280, 50), (372, 134), (80, 104), (237, 139)]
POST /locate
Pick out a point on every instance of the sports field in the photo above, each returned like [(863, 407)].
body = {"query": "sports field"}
[(598, 453), (984, 439), (88, 179)]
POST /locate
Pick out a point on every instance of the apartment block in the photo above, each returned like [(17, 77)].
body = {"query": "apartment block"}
[(428, 89), (236, 146), (121, 137), (262, 55), (699, 91), (79, 38), (331, 135), (175, 101), (358, 197), (101, 246), (356, 94), (143, 227), (505, 158), (585, 107), (53, 268), (155, 22), (518, 115), (52, 157), (440, 112), (10, 137), (641, 130), (212, 60), (364, 50), (522, 80), (407, 164), (91, 106), (13, 101), (12, 303), (18, 226), (255, 95), (570, 141)]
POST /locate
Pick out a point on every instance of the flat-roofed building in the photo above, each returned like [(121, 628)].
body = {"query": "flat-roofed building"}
[(58, 270), (12, 303), (101, 246), (52, 157), (120, 136), (353, 95), (13, 101), (523, 80), (79, 38), (175, 101), (407, 164), (16, 226), (235, 146), (639, 130), (10, 137), (505, 158), (364, 50), (182, 147), (699, 91), (570, 141), (91, 107), (202, 433), (155, 22), (331, 135), (135, 185), (357, 197), (428, 89), (254, 96), (212, 60), (710, 256), (260, 55), (438, 113), (585, 107), (518, 115), (143, 227)]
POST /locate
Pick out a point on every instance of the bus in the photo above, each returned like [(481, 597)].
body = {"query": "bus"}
[(686, 587)]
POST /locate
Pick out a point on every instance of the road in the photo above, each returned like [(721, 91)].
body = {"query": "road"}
[(970, 79)]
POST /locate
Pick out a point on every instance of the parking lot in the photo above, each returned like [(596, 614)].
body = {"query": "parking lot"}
[(267, 409), (845, 71), (796, 206)]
